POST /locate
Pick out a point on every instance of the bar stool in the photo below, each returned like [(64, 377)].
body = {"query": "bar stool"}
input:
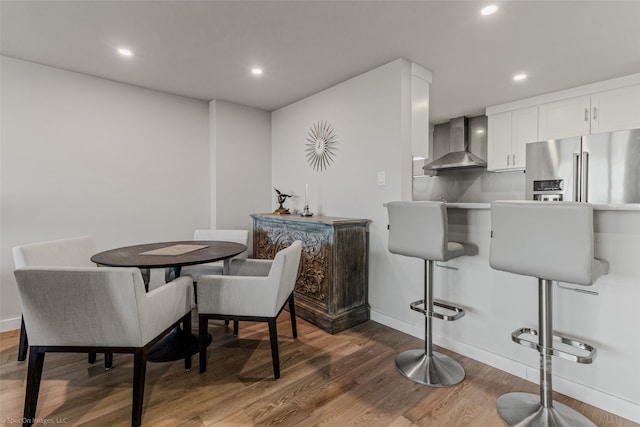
[(419, 230), (552, 241)]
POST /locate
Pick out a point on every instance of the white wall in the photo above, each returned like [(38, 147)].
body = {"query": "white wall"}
[(87, 156), (241, 164), (370, 116)]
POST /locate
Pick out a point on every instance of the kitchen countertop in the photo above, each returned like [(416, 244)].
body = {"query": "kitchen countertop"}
[(596, 207), (627, 207)]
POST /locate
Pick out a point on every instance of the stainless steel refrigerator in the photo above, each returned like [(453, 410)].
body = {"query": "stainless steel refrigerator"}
[(601, 169)]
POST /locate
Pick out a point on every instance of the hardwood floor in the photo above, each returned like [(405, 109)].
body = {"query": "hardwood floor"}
[(348, 379)]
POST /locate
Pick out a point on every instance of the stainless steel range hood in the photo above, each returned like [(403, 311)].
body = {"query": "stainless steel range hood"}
[(460, 157)]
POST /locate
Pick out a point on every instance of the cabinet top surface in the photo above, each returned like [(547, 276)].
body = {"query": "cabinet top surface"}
[(315, 219)]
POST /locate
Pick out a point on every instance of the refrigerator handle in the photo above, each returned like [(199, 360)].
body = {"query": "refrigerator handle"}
[(576, 177), (584, 193)]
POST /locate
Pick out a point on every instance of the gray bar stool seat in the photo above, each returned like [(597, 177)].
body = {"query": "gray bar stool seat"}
[(552, 241), (419, 230)]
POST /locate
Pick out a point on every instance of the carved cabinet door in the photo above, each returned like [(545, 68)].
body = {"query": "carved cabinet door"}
[(315, 270)]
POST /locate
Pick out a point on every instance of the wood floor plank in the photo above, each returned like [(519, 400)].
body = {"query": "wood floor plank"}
[(401, 422), (347, 379)]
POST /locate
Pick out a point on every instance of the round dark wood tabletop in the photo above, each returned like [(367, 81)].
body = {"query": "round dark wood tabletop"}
[(131, 256)]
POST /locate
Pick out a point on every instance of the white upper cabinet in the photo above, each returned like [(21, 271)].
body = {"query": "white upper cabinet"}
[(616, 109), (508, 134), (606, 111), (498, 141), (565, 118), (524, 129), (606, 106)]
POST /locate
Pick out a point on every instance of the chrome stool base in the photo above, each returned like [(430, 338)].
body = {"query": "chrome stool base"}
[(437, 370), (524, 409)]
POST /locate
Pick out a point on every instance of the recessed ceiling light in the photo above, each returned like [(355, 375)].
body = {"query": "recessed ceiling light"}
[(480, 131), (256, 71), (125, 52), (489, 10), (519, 77)]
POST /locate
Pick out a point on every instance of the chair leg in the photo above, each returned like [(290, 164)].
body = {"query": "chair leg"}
[(146, 277), (92, 357), (292, 313), (186, 328), (34, 374), (273, 336), (139, 372), (235, 327), (203, 340), (195, 292), (108, 361), (24, 342)]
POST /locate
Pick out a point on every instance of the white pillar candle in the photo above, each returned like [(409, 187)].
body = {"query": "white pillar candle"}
[(306, 191)]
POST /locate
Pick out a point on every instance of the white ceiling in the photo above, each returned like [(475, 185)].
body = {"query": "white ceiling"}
[(205, 49)]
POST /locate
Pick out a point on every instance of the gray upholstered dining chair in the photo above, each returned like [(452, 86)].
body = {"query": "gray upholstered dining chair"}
[(236, 236), (85, 309), (73, 252), (195, 271), (255, 291)]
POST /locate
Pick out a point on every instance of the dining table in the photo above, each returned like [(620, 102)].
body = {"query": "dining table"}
[(171, 256)]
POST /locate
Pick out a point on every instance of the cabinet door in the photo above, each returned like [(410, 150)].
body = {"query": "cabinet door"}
[(565, 118), (524, 129), (617, 109), (499, 141)]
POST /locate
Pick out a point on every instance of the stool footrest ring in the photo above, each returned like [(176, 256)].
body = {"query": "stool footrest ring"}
[(459, 311), (515, 336)]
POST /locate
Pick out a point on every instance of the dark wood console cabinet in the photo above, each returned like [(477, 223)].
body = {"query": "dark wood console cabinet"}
[(332, 286)]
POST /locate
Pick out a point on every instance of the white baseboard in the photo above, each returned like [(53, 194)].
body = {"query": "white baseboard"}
[(594, 397), (10, 324)]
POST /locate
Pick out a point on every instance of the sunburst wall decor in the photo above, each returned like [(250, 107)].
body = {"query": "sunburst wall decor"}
[(321, 145)]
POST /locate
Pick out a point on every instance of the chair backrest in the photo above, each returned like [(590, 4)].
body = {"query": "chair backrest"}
[(74, 252), (81, 306), (547, 240), (236, 236), (418, 229), (284, 271)]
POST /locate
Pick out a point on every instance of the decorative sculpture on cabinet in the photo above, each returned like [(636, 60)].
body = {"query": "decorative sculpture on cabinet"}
[(281, 199)]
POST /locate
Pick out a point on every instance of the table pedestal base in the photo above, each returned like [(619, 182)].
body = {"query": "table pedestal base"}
[(170, 348)]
